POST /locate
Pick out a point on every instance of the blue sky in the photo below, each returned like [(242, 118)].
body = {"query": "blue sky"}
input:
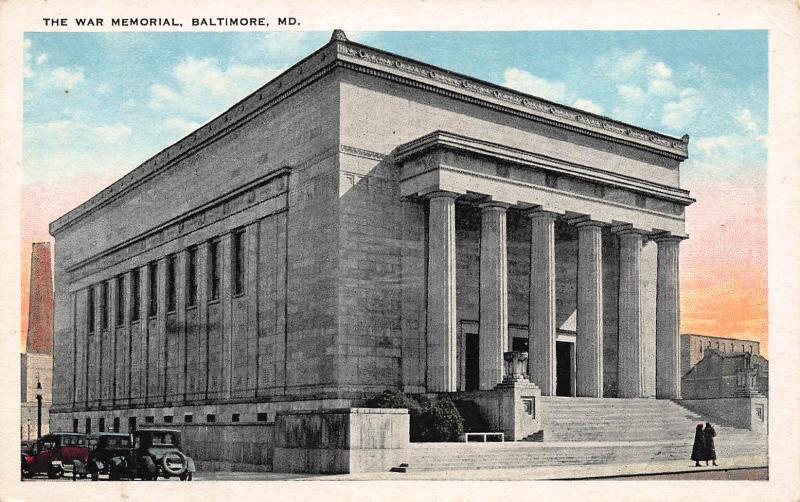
[(101, 103)]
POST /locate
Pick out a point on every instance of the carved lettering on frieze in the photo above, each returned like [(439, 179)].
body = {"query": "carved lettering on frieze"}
[(615, 128)]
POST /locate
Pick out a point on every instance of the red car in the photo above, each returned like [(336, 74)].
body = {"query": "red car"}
[(54, 453)]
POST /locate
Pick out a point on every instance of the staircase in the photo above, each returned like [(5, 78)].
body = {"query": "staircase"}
[(588, 419), (581, 431)]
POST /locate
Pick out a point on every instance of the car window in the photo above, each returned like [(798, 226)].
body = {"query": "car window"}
[(118, 442), (163, 439)]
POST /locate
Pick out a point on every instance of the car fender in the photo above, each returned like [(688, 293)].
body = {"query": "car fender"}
[(190, 465)]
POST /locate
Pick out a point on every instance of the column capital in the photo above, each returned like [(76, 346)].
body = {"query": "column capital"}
[(441, 194), (539, 213), (585, 221), (667, 237), (494, 204), (628, 229)]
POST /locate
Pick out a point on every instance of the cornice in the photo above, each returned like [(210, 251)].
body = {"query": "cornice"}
[(443, 140), (342, 52)]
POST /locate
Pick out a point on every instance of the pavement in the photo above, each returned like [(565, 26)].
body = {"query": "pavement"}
[(754, 467), (675, 468)]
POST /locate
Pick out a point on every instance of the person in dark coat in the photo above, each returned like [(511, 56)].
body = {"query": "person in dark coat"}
[(698, 449), (710, 451)]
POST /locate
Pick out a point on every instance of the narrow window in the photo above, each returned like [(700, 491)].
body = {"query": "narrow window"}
[(120, 300), (90, 310), (104, 305), (74, 425), (188, 419), (135, 295), (88, 425), (101, 425), (131, 424), (211, 418), (213, 252), (167, 419), (116, 424), (191, 298), (149, 419), (153, 273), (171, 301), (235, 417), (237, 262), (262, 417)]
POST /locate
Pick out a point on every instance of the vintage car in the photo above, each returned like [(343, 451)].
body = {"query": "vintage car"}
[(105, 450), (153, 453), (54, 454)]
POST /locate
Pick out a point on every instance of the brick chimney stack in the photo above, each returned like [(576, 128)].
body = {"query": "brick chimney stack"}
[(40, 307)]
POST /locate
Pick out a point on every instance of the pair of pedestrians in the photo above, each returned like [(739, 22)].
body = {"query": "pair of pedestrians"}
[(703, 448)]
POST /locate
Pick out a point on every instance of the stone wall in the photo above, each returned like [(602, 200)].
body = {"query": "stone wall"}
[(340, 441), (745, 412), (267, 340)]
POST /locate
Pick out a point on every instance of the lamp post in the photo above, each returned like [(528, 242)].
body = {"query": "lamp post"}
[(38, 408)]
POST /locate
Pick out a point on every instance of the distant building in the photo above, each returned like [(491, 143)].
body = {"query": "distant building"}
[(722, 367), (36, 363), (694, 346)]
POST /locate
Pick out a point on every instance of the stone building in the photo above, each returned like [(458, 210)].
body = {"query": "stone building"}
[(362, 222), (693, 348), (36, 363)]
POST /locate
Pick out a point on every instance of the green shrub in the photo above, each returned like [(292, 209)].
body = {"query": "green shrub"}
[(431, 421)]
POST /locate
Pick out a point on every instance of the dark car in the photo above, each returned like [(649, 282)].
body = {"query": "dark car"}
[(154, 453), (54, 454), (107, 449)]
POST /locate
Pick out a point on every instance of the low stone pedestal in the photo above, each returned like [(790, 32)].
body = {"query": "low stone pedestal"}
[(340, 441), (513, 406)]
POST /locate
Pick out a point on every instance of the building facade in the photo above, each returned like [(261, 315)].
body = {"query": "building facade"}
[(367, 222)]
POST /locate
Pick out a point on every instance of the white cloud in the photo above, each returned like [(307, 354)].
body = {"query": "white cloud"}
[(661, 87), (66, 77), (659, 70), (589, 106), (103, 88), (129, 103), (630, 92), (112, 133), (623, 65), (41, 58), (524, 81), (679, 114), (205, 88), (745, 118)]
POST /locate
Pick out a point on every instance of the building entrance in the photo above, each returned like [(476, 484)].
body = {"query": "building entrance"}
[(471, 361), (565, 369)]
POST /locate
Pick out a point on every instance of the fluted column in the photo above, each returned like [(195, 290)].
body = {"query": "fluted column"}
[(668, 316), (589, 336), (493, 336), (630, 365), (442, 369), (542, 311)]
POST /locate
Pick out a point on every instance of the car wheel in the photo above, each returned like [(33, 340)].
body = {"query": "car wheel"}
[(95, 476), (186, 476)]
